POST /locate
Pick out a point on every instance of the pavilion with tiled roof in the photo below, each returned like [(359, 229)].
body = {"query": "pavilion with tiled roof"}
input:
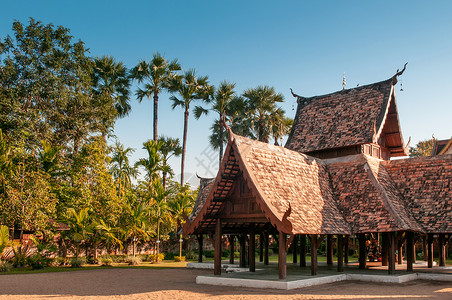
[(333, 178)]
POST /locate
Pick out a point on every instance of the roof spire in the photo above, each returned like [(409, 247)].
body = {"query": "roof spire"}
[(343, 82), (398, 73)]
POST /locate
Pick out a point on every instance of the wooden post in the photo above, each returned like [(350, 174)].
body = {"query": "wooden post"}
[(399, 249), (294, 249), (424, 247), (391, 253), (303, 250), (252, 249), (217, 262), (266, 242), (314, 266), (261, 247), (410, 251), (242, 263), (384, 248), (346, 241), (362, 250), (282, 256), (430, 250), (329, 249), (340, 253), (231, 250), (200, 244), (442, 250)]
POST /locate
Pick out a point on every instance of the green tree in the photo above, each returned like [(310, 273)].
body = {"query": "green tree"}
[(280, 125), (80, 226), (190, 88), (261, 102), (121, 169), (4, 238), (137, 223), (169, 147), (423, 148), (153, 163), (220, 101), (155, 76), (158, 206)]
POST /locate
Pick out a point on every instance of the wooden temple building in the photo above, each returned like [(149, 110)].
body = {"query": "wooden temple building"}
[(333, 179)]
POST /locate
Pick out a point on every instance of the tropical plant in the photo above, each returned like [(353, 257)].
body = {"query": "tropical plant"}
[(120, 168), (109, 235), (155, 74), (261, 102), (169, 147), (158, 206), (80, 226), (280, 125), (137, 225), (189, 87), (4, 238), (220, 101), (423, 148), (153, 163)]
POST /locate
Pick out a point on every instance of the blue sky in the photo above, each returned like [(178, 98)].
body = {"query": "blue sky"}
[(304, 45)]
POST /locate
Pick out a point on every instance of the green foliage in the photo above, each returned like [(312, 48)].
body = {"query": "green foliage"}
[(133, 260), (156, 257), (106, 261), (4, 238), (37, 262), (5, 266), (423, 148), (179, 258), (77, 262)]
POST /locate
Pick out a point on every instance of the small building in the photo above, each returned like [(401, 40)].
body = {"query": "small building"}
[(442, 147), (334, 179)]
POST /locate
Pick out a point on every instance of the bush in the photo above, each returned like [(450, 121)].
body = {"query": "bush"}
[(168, 255), (19, 260), (190, 254), (118, 258), (209, 253), (37, 262), (92, 260), (225, 253), (106, 261), (179, 258), (5, 266), (156, 258), (77, 262), (133, 261), (60, 261)]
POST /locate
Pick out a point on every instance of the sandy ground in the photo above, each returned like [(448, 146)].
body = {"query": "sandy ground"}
[(180, 284)]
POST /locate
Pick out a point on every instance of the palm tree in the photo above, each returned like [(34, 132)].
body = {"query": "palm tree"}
[(158, 206), (281, 125), (121, 170), (156, 75), (170, 146), (261, 102), (111, 80), (190, 88), (109, 235), (220, 100), (4, 238), (152, 164), (137, 223), (80, 226)]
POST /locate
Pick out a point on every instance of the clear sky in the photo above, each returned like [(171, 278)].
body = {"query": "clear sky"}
[(304, 45)]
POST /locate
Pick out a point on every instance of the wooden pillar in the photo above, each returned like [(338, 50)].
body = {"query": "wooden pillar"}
[(442, 250), (261, 247), (424, 247), (399, 249), (303, 250), (340, 253), (231, 250), (329, 249), (346, 241), (294, 249), (384, 248), (217, 262), (242, 262), (362, 250), (391, 253), (252, 249), (410, 251), (314, 266), (200, 244), (282, 256), (266, 242), (430, 250)]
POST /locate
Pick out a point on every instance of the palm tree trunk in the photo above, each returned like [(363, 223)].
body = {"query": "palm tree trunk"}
[(221, 141), (156, 104), (164, 180), (184, 145)]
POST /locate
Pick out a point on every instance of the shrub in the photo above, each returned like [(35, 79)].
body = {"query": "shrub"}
[(156, 258), (209, 253), (168, 255), (37, 262), (118, 258), (225, 253), (19, 260), (106, 261), (92, 260), (77, 262), (190, 254), (60, 261), (133, 261), (179, 258), (5, 266)]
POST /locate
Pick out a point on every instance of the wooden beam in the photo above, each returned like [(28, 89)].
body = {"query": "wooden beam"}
[(303, 250), (410, 251), (384, 248), (294, 249), (362, 250), (261, 247), (442, 250), (329, 249), (242, 262), (252, 249), (314, 267), (346, 245), (266, 242), (391, 253), (217, 256), (424, 247), (231, 249), (282, 256), (340, 253), (430, 250)]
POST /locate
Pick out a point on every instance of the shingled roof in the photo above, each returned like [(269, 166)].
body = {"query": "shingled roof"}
[(427, 183), (347, 118), (368, 197), (205, 186)]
